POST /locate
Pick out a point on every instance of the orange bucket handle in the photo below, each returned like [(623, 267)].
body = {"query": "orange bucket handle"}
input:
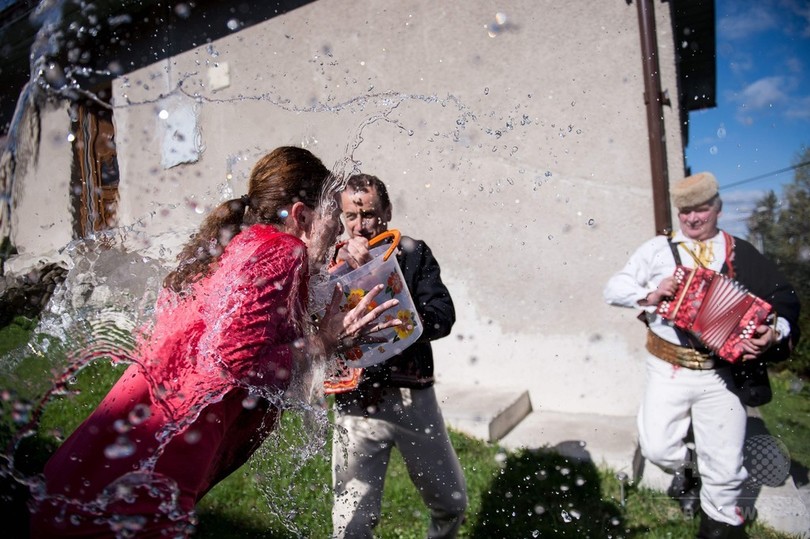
[(393, 233)]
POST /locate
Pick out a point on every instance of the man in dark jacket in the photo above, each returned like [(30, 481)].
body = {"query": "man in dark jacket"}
[(394, 403)]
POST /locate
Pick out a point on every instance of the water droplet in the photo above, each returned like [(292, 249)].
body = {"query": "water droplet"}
[(21, 413), (233, 24), (139, 414), (713, 150), (250, 402), (182, 10), (122, 448)]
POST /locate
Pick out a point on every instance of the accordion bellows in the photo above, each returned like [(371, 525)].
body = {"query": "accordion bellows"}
[(716, 309)]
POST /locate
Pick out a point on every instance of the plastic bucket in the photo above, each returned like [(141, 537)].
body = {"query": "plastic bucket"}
[(355, 284)]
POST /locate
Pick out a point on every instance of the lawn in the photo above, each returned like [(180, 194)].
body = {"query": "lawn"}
[(284, 490)]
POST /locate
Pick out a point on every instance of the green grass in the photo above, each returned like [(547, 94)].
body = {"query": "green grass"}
[(788, 415), (511, 494)]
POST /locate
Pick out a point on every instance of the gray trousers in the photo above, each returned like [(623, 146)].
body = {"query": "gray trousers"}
[(411, 420)]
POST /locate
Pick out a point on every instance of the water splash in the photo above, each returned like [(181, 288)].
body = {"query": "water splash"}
[(86, 325)]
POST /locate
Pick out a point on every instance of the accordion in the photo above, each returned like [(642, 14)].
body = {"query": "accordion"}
[(716, 309)]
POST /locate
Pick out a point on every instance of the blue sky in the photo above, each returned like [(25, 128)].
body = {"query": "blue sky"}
[(762, 118)]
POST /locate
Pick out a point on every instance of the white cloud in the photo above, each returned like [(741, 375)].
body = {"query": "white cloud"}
[(742, 25), (737, 207), (741, 63), (799, 108), (771, 93), (763, 93), (801, 10), (795, 65)]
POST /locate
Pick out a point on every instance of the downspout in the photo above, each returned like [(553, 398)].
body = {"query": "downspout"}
[(654, 100)]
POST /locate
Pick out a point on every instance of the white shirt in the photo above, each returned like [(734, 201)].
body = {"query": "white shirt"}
[(653, 262)]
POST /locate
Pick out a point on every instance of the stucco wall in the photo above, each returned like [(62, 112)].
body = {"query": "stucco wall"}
[(515, 144), (41, 223)]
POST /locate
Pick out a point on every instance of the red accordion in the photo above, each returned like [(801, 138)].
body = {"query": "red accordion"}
[(716, 309)]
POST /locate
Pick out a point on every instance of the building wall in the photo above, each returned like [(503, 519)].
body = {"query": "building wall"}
[(514, 144), (41, 222)]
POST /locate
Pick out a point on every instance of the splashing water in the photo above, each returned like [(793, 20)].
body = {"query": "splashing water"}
[(79, 350), (87, 336)]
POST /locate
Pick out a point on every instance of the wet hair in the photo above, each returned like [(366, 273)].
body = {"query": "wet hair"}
[(362, 182), (279, 179)]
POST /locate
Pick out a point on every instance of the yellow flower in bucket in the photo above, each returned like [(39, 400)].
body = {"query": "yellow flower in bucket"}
[(407, 326), (354, 297), (356, 285)]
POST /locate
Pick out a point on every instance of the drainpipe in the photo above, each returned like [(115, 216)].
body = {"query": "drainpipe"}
[(655, 100)]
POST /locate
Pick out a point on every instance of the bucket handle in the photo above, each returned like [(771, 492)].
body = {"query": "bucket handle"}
[(393, 233)]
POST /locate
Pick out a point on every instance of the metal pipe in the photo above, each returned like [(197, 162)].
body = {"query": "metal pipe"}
[(653, 99)]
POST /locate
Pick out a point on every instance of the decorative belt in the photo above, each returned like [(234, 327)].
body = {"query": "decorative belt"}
[(678, 355)]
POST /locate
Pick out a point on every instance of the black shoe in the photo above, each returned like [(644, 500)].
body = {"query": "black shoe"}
[(711, 529), (685, 488)]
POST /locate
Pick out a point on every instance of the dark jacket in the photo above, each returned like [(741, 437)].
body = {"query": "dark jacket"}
[(763, 279), (414, 367)]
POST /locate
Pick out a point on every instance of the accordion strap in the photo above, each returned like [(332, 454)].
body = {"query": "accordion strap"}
[(728, 265)]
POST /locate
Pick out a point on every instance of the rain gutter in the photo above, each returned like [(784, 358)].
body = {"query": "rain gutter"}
[(655, 99)]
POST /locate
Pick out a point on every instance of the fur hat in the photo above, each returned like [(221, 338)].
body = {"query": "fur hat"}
[(694, 190)]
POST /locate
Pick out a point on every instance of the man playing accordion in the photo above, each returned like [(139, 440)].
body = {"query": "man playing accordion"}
[(691, 390)]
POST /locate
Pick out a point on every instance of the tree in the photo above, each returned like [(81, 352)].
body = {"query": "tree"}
[(782, 233)]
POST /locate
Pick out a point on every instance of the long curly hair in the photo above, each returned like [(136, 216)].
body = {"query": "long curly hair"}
[(284, 176)]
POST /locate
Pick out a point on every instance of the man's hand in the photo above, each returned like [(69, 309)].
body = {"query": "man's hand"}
[(764, 337), (354, 252), (665, 289)]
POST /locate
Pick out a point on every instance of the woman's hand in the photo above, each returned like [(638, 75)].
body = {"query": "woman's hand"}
[(340, 330)]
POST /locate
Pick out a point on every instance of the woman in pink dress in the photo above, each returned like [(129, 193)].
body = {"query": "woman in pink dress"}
[(207, 381)]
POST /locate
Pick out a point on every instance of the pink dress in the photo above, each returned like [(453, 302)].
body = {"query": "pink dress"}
[(202, 395)]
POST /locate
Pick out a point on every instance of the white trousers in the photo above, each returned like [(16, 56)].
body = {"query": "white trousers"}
[(676, 397), (411, 420)]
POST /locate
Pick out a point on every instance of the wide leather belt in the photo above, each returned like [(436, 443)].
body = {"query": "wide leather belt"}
[(678, 355)]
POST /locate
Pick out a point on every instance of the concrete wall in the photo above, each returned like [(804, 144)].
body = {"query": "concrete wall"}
[(41, 223), (515, 144)]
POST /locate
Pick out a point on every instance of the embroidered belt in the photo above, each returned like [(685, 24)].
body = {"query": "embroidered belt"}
[(678, 355)]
